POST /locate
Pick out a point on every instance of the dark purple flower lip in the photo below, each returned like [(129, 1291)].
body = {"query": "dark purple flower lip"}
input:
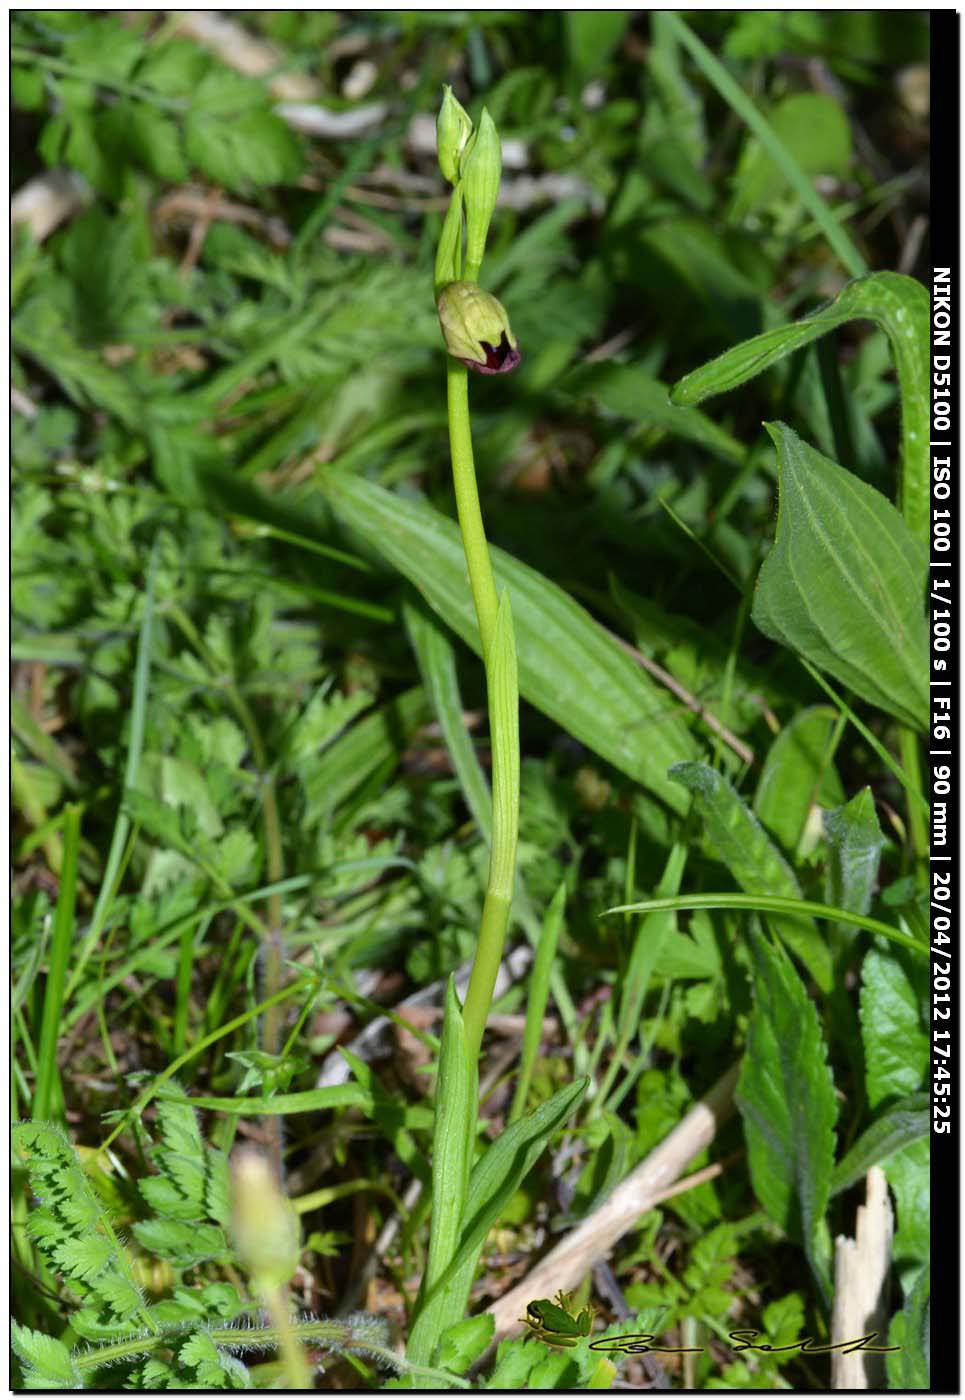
[(500, 359)]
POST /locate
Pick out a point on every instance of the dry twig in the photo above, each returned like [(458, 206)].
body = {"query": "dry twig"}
[(594, 1237)]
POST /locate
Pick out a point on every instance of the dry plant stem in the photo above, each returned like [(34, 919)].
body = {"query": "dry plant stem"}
[(743, 751), (593, 1238), (861, 1270)]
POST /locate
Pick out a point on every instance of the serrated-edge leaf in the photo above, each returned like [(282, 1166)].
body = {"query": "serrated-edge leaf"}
[(787, 1101), (754, 861), (464, 1342), (47, 1357), (909, 1368), (185, 1242)]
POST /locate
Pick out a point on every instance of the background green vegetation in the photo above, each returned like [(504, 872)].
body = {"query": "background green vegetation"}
[(233, 706)]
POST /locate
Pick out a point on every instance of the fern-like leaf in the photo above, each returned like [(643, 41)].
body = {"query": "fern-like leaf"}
[(47, 1364)]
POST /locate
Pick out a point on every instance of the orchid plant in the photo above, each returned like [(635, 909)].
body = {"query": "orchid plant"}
[(465, 1198)]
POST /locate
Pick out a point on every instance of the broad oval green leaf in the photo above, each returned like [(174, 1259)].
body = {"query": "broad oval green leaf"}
[(754, 861), (569, 666), (900, 306), (813, 128), (844, 585), (786, 1099)]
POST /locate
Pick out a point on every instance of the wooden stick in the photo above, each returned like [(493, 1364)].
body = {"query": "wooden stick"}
[(592, 1240)]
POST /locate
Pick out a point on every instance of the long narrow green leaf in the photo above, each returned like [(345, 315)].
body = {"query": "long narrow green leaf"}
[(452, 1143), (648, 941), (753, 860), (569, 666), (628, 391), (773, 904), (48, 1077), (899, 305), (498, 1174), (437, 666), (40, 743), (904, 1122), (786, 1099), (537, 997), (269, 1105)]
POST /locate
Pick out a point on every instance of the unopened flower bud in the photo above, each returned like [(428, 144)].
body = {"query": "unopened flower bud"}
[(476, 329), (264, 1223), (481, 170), (453, 129)]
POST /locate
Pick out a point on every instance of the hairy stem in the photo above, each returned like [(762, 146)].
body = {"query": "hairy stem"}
[(338, 1336)]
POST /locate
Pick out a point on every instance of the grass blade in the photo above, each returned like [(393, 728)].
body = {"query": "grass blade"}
[(47, 1091), (774, 904), (715, 72), (122, 825), (539, 987), (437, 666)]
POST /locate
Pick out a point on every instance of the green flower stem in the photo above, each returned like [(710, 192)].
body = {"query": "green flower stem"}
[(499, 654), (481, 579), (298, 1374), (482, 979)]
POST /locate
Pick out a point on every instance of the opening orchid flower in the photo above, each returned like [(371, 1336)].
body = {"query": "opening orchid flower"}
[(476, 329)]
